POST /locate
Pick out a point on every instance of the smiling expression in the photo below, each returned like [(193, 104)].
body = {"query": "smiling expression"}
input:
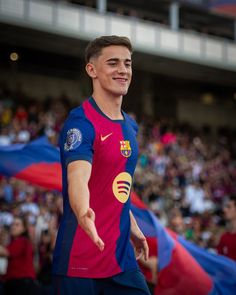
[(111, 71)]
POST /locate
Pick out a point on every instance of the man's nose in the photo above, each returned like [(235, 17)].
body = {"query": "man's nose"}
[(122, 68)]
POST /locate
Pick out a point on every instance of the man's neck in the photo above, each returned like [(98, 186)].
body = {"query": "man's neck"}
[(111, 106)]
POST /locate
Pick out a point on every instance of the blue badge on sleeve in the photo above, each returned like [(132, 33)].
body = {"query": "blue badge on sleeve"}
[(73, 139)]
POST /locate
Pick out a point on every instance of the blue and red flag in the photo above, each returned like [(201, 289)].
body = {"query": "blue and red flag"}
[(183, 268), (37, 162), (227, 7)]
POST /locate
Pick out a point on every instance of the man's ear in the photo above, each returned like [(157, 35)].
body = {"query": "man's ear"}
[(91, 70)]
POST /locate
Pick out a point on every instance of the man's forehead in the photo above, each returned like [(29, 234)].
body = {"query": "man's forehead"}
[(115, 51)]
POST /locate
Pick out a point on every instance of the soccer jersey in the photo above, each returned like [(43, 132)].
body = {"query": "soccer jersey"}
[(111, 147)]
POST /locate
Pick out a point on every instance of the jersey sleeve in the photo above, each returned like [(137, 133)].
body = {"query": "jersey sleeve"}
[(76, 141), (132, 122)]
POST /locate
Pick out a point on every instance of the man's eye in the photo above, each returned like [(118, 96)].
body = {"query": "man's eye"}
[(112, 64), (128, 65)]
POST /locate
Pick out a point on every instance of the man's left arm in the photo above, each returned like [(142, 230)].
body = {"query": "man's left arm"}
[(138, 239)]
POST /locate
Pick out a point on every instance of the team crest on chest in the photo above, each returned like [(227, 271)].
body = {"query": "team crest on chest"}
[(125, 148)]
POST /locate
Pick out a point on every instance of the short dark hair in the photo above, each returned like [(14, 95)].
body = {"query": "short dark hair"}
[(24, 221), (95, 47), (232, 198)]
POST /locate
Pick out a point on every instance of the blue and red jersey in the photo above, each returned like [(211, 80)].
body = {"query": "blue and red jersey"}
[(111, 147)]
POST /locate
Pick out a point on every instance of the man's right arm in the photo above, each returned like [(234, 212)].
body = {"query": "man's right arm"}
[(78, 174)]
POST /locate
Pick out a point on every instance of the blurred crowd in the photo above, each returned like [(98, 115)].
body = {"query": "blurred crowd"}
[(184, 175), (22, 120)]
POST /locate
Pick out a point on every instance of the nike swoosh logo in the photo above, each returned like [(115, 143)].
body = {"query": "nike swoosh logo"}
[(106, 136)]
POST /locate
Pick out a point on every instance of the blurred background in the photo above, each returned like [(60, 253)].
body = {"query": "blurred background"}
[(183, 96)]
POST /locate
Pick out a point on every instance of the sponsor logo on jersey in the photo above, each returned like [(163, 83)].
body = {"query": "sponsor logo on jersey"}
[(121, 186), (125, 148), (73, 139)]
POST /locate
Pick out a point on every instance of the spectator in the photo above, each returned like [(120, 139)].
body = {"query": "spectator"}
[(227, 244), (30, 208), (196, 198), (7, 190), (5, 138), (20, 275), (176, 221), (45, 261)]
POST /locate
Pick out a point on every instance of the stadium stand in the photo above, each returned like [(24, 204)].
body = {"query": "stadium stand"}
[(185, 108)]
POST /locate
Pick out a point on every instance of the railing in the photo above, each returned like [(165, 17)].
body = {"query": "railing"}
[(151, 38)]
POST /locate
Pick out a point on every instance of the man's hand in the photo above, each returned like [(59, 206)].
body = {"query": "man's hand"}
[(138, 240), (87, 222), (140, 245), (151, 264), (78, 176)]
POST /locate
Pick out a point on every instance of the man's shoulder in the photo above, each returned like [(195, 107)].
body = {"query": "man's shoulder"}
[(77, 122), (131, 120), (77, 114)]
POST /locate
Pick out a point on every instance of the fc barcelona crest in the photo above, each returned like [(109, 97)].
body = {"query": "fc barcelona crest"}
[(125, 148)]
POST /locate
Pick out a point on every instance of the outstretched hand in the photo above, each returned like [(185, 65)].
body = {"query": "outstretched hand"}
[(140, 244), (138, 239), (87, 223)]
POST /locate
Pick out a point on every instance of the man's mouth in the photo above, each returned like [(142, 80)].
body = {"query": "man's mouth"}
[(123, 80)]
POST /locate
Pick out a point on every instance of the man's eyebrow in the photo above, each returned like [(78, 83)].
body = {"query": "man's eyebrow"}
[(118, 59)]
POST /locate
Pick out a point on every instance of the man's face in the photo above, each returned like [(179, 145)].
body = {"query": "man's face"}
[(112, 71), (230, 211), (178, 224)]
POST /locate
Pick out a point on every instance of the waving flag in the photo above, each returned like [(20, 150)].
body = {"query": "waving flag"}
[(37, 162), (183, 268)]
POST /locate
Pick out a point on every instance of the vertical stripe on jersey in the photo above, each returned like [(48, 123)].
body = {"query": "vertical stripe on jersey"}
[(66, 233), (126, 250)]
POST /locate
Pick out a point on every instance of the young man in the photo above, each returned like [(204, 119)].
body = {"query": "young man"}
[(227, 244), (98, 237)]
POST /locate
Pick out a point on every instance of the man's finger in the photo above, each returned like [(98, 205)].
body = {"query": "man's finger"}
[(100, 244), (146, 251), (139, 254)]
